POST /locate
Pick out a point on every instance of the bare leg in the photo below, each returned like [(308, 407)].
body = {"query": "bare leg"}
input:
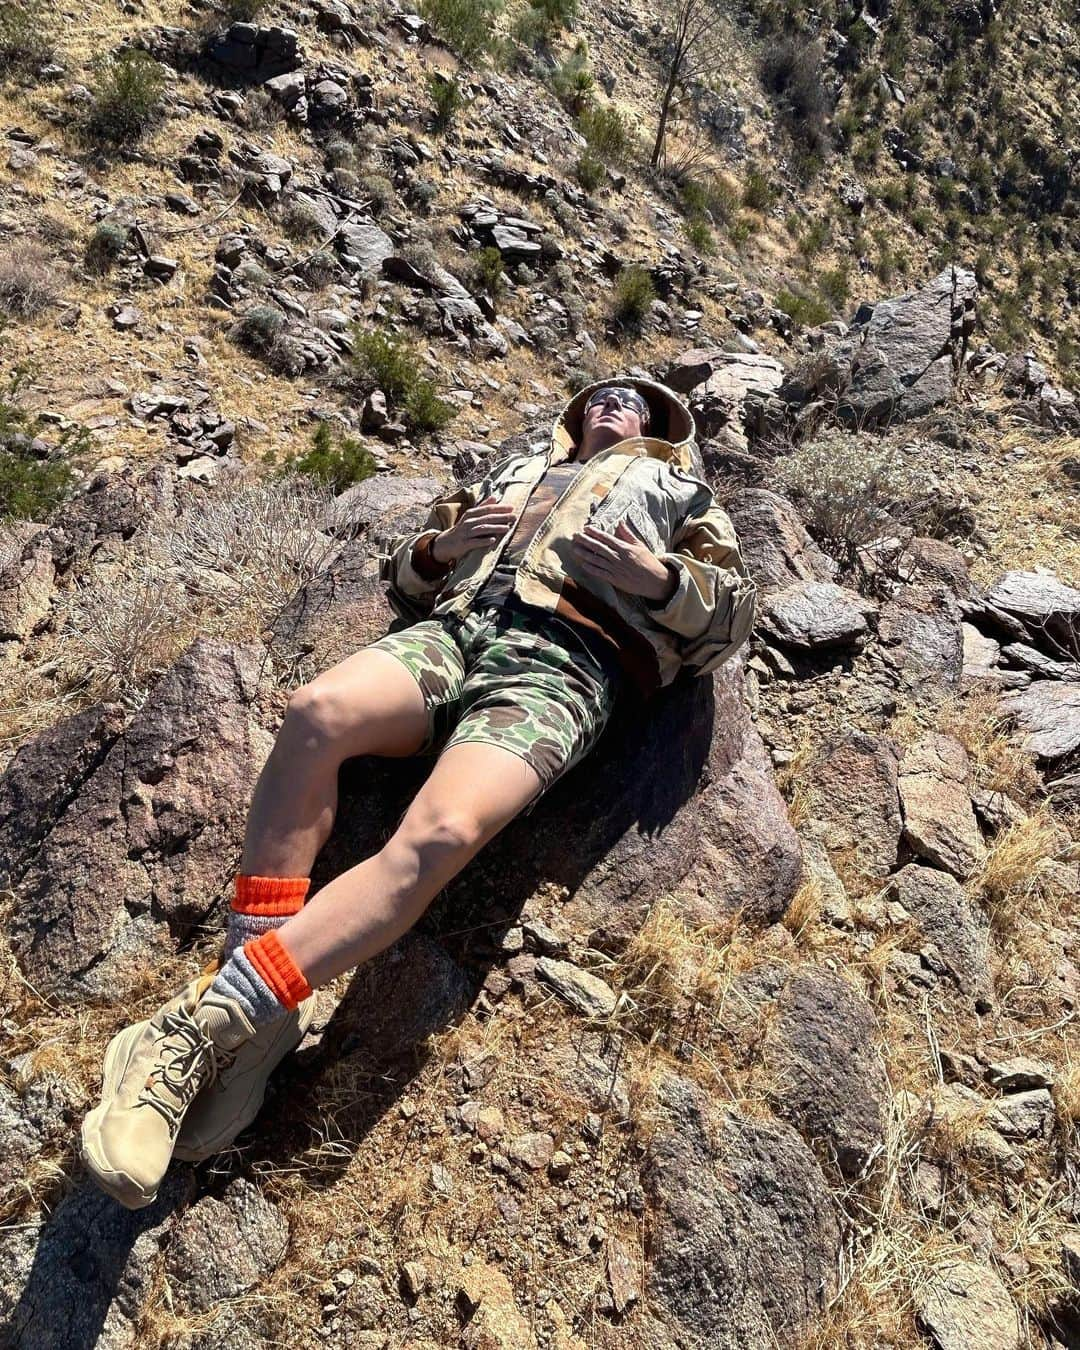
[(473, 791), (368, 704)]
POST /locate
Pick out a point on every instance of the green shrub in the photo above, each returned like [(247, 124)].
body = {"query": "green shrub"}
[(259, 329), (815, 238), (806, 310), (792, 72), (538, 25), (466, 26), (380, 192), (699, 234), (758, 193), (382, 360), (713, 195), (26, 34), (31, 487), (604, 127), (740, 230), (448, 98), (486, 272), (590, 171), (634, 293), (105, 246), (341, 466), (572, 81), (126, 98), (835, 286)]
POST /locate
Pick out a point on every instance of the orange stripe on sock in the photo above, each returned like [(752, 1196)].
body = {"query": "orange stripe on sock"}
[(274, 964), (272, 897)]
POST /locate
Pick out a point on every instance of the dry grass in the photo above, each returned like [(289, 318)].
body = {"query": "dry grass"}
[(1016, 879)]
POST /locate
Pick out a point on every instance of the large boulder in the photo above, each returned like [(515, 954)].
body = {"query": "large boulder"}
[(829, 1082), (920, 627), (817, 614), (1048, 714), (1048, 609), (903, 354), (956, 935), (774, 542), (723, 388), (857, 802), (745, 1242), (141, 840), (939, 819)]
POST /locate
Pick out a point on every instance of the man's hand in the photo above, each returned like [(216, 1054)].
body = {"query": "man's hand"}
[(475, 528), (623, 561)]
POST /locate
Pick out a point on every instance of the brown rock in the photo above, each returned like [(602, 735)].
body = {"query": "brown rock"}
[(939, 820), (856, 801)]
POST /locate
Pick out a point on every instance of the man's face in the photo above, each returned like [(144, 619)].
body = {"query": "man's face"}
[(611, 415)]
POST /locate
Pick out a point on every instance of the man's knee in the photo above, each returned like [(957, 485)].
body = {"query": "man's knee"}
[(440, 829), (319, 717)]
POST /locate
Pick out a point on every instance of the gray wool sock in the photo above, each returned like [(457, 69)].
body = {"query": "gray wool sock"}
[(242, 927), (238, 979)]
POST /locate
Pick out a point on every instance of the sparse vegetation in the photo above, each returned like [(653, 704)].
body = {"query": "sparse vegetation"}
[(126, 98), (105, 246), (448, 98), (466, 26), (806, 310), (381, 360), (27, 29), (34, 479), (28, 282), (634, 294), (339, 465)]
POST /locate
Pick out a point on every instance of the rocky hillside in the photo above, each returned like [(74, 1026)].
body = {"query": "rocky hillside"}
[(762, 1031)]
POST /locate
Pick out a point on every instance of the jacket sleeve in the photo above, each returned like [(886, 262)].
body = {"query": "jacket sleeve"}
[(413, 576), (713, 607)]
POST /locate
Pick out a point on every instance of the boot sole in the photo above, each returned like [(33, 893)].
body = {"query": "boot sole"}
[(195, 1153), (132, 1194)]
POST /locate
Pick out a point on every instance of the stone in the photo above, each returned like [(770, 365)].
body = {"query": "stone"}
[(829, 1082), (745, 1242), (856, 800), (963, 1304), (580, 988), (1048, 714), (1019, 1073), (957, 934), (141, 849), (27, 585), (903, 353), (939, 820), (223, 1248), (385, 496), (1046, 606), (1024, 1115), (981, 653), (534, 1150), (816, 614), (362, 246), (777, 549)]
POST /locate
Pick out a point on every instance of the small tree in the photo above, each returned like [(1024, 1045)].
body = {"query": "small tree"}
[(691, 53)]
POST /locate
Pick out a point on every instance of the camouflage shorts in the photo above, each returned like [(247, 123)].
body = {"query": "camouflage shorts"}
[(503, 678)]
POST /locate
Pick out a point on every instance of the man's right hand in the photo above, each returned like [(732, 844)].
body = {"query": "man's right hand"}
[(475, 528)]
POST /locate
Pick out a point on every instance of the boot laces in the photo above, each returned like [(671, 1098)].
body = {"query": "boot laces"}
[(189, 1060)]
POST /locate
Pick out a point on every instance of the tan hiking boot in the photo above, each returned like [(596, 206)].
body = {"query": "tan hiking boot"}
[(152, 1073), (232, 1101)]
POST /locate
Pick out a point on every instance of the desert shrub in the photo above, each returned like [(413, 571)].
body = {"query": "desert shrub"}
[(758, 193), (486, 272), (421, 193), (572, 81), (340, 465), (466, 26), (634, 293), (126, 98), (604, 127), (301, 222), (740, 230), (32, 485), (380, 192), (448, 98), (105, 246), (243, 11), (806, 310), (714, 195), (27, 280), (340, 153), (850, 489), (835, 285), (318, 268), (699, 234), (259, 328), (791, 71), (26, 34), (382, 360), (260, 110), (590, 171)]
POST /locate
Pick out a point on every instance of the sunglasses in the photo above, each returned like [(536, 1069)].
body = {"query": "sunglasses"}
[(629, 398)]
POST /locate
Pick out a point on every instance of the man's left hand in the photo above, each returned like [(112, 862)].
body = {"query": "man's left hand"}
[(622, 560)]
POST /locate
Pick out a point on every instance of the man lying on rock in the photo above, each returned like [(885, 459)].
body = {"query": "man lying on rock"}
[(563, 575)]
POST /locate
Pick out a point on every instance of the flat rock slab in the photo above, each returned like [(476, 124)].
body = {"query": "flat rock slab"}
[(142, 844), (1044, 604), (939, 819), (745, 1239), (774, 542), (813, 614), (965, 1305), (829, 1081), (1048, 713), (957, 935), (222, 1248), (857, 802)]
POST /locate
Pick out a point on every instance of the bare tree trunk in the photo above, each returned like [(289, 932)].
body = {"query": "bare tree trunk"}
[(665, 106)]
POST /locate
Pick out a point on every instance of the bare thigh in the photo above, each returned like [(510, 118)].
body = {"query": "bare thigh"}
[(368, 704)]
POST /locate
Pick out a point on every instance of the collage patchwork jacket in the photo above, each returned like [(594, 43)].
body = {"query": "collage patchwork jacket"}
[(650, 482)]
